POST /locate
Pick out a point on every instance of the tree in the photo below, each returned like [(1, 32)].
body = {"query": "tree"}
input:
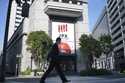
[(106, 45), (89, 47), (38, 44)]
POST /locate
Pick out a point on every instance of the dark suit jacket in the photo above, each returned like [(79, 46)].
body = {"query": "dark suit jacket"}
[(54, 52)]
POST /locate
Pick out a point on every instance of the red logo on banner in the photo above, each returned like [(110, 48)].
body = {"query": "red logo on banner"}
[(62, 28)]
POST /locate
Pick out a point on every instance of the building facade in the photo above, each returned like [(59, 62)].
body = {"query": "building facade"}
[(102, 25), (14, 36), (68, 18), (116, 16), (102, 28), (15, 16)]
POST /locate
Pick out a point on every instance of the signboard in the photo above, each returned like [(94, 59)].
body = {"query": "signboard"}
[(66, 32)]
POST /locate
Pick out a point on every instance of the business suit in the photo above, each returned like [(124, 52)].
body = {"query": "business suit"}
[(54, 64)]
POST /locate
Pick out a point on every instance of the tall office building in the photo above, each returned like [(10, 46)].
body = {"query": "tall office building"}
[(15, 16), (14, 24), (102, 25), (65, 18), (116, 15)]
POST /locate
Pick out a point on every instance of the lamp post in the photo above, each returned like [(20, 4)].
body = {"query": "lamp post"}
[(2, 70)]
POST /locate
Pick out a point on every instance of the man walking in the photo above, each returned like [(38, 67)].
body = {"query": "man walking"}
[(54, 63)]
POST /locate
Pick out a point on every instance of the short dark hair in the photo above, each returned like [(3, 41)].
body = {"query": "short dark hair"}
[(58, 39)]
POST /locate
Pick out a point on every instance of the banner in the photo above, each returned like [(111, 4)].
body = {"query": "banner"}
[(66, 32)]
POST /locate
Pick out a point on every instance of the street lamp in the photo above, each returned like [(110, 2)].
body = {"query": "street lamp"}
[(2, 70)]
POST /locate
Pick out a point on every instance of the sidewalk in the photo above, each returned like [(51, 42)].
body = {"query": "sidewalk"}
[(74, 79)]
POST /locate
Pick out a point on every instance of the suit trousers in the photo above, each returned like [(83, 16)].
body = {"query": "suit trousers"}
[(56, 65)]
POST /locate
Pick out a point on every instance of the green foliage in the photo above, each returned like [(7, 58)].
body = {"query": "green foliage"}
[(38, 70), (90, 47), (105, 39), (106, 43), (26, 72), (106, 46), (39, 43), (94, 48), (122, 71), (95, 72)]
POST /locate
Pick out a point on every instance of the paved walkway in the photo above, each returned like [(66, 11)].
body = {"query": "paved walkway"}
[(74, 79)]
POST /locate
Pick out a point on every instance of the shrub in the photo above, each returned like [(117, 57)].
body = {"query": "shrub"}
[(26, 72), (123, 72), (95, 72)]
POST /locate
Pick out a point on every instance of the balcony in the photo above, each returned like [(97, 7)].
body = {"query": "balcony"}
[(63, 9)]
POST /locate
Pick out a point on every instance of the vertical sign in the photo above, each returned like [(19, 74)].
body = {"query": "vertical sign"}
[(66, 32)]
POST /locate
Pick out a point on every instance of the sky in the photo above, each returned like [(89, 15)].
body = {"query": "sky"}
[(95, 8), (3, 9)]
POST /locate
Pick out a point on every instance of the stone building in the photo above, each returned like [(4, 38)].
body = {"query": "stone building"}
[(48, 16)]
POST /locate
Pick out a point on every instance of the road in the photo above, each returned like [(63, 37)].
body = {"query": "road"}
[(74, 79)]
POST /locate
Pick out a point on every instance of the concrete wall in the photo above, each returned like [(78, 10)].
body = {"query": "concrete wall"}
[(81, 27), (37, 21)]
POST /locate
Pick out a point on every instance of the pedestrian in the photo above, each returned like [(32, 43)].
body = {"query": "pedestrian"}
[(54, 63)]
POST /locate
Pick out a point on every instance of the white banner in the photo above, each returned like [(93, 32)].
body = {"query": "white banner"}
[(66, 32)]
